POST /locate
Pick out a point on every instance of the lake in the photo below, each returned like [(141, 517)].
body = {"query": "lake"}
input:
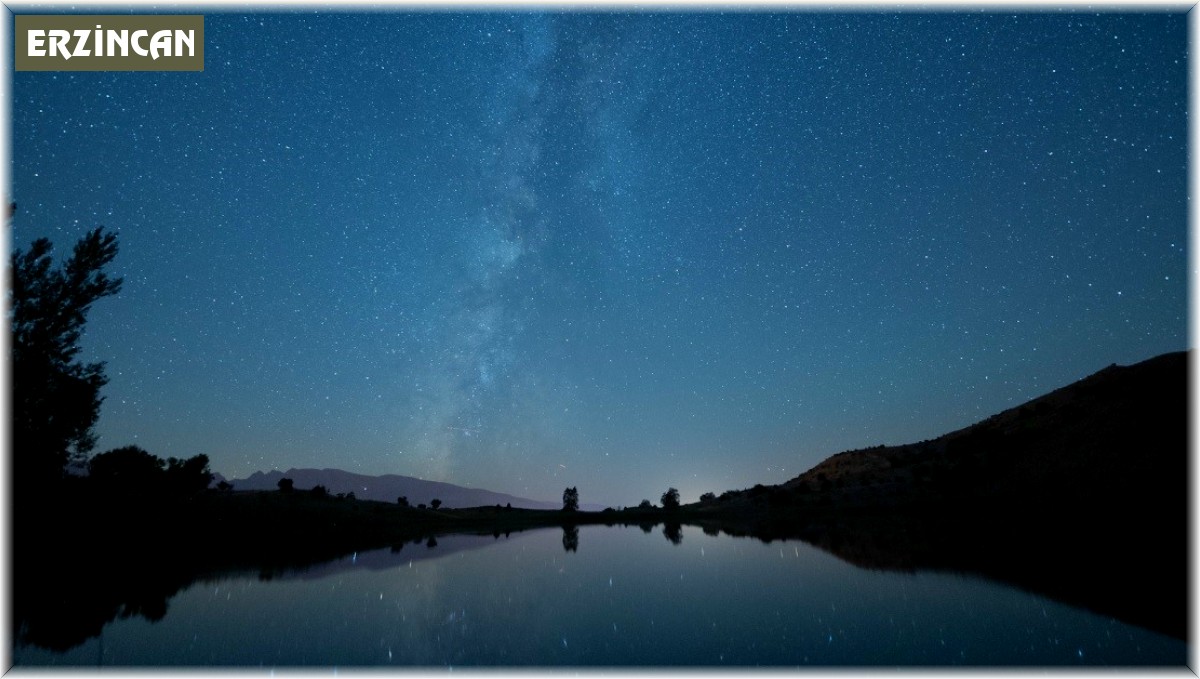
[(596, 595)]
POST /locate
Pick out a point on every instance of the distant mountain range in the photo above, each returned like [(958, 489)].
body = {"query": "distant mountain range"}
[(389, 487)]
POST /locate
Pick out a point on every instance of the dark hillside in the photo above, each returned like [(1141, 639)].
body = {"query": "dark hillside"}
[(1111, 446), (1081, 494)]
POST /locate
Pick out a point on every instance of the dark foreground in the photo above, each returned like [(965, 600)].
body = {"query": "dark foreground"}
[(125, 558)]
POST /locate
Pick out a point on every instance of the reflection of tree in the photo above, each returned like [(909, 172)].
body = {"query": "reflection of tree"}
[(570, 538), (58, 607), (673, 532), (646, 526)]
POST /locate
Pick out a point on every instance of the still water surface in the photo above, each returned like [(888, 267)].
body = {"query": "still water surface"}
[(622, 597)]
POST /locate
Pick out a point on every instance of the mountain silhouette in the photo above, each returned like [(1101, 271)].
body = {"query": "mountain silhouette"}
[(388, 487)]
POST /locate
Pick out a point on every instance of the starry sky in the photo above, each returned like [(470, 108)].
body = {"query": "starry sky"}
[(525, 250)]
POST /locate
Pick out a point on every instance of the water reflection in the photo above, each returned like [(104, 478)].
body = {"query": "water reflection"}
[(58, 606), (570, 538), (481, 599)]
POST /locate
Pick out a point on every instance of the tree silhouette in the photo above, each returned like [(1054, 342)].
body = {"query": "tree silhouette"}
[(402, 500), (670, 499), (125, 469), (285, 485), (187, 477), (56, 397), (319, 491), (645, 504), (570, 499), (130, 470), (708, 497), (435, 503)]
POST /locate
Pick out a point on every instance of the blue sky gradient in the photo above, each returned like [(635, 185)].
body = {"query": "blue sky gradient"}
[(615, 251)]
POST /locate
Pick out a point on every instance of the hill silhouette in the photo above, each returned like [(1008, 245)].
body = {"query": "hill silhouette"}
[(1081, 494), (1116, 440)]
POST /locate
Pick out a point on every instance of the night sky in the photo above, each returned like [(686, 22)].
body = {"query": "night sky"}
[(616, 251)]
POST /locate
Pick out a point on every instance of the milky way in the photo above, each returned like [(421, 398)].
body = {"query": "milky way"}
[(615, 251)]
